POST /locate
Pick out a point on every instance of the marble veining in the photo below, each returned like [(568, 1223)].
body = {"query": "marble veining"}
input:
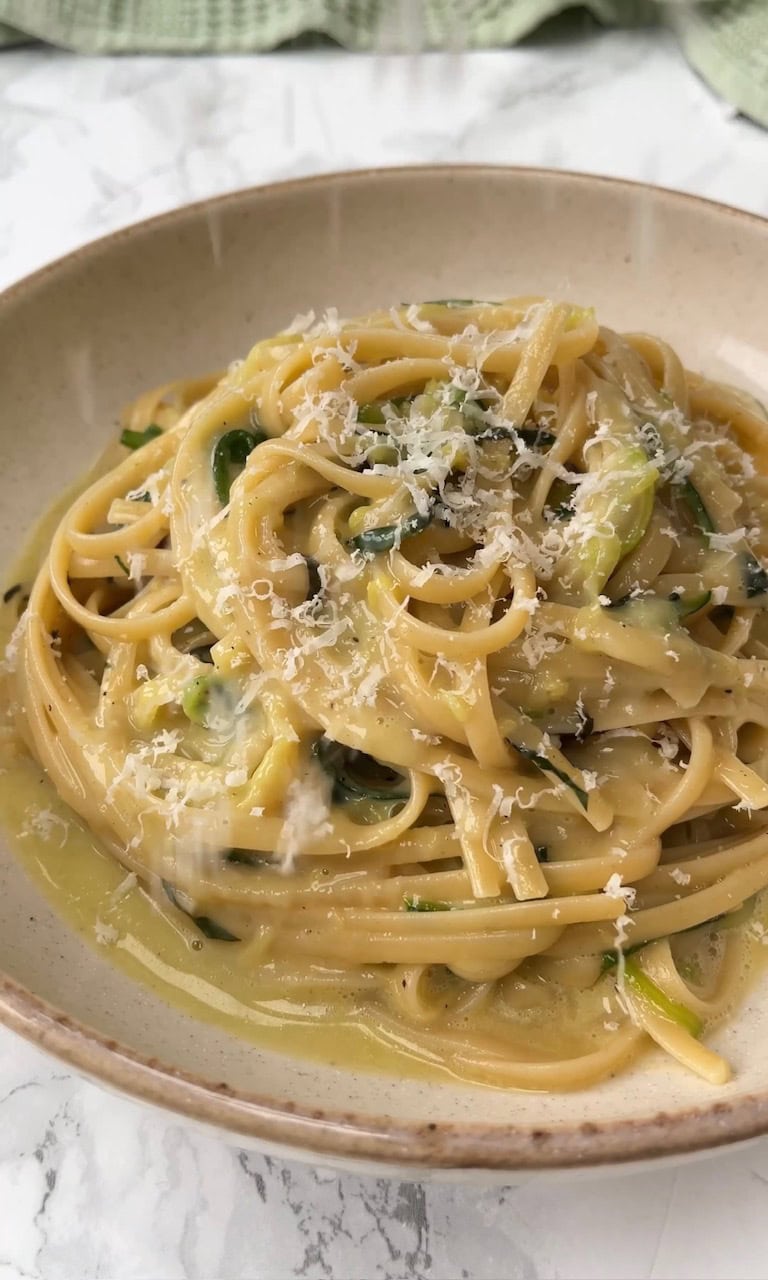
[(91, 1185)]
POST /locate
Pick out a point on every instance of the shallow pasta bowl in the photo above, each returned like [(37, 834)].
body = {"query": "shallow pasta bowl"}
[(187, 292)]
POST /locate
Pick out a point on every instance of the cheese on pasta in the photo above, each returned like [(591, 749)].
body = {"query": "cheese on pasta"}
[(427, 653)]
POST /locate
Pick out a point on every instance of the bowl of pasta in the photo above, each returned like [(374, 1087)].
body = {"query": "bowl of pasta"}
[(384, 759)]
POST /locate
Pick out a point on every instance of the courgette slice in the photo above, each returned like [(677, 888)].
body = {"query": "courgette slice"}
[(424, 904), (546, 766), (358, 776), (696, 506), (373, 542), (198, 696), (229, 457), (135, 439), (208, 927)]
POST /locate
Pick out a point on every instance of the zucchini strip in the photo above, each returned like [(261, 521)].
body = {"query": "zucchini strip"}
[(229, 456), (374, 541), (208, 927)]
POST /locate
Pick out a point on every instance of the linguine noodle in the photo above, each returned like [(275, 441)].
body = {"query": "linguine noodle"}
[(424, 658)]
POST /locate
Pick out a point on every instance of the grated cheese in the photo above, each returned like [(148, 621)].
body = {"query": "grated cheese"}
[(43, 823), (614, 887), (305, 816)]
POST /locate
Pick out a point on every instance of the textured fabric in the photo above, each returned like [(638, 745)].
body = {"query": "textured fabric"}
[(189, 26), (726, 40), (727, 43)]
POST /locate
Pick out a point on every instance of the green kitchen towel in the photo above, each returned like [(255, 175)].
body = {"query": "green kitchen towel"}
[(725, 40), (218, 26)]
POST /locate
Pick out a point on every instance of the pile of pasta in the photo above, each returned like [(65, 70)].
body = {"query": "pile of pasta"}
[(421, 659)]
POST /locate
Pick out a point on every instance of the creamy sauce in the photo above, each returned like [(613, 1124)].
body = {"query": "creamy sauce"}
[(85, 886), (206, 979), (115, 915)]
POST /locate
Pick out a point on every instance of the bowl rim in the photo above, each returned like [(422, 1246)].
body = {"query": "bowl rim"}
[(338, 1135)]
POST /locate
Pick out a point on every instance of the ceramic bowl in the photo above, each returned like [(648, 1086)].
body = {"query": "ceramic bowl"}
[(187, 292)]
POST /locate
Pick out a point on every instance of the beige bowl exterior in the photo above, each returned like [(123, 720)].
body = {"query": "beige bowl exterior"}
[(186, 293)]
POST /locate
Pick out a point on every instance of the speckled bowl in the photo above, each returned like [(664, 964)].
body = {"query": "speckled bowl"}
[(186, 292)]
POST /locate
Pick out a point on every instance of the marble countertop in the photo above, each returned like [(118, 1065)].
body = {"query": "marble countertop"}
[(91, 1185)]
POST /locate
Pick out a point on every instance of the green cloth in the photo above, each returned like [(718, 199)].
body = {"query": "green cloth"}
[(727, 43), (725, 40), (236, 26)]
